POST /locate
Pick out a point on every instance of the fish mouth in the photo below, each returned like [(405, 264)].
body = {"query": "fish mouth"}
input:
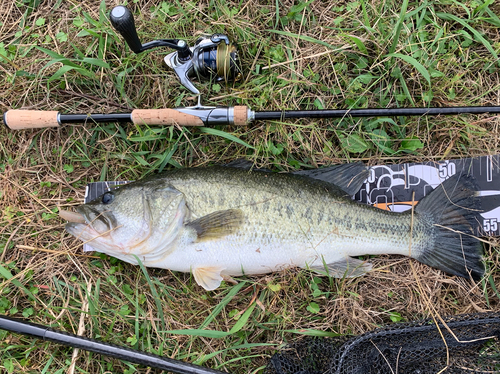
[(73, 217), (88, 219)]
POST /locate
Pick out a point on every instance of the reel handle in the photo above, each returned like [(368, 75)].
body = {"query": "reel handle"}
[(122, 20)]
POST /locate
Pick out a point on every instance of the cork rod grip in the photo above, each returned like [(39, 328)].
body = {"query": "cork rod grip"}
[(18, 119), (240, 115), (164, 117)]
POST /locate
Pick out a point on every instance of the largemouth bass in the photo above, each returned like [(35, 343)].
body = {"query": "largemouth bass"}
[(226, 221)]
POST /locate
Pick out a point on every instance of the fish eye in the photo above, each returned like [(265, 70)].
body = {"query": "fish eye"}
[(108, 197)]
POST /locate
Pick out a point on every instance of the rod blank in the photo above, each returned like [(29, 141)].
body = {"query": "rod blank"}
[(106, 349), (374, 112)]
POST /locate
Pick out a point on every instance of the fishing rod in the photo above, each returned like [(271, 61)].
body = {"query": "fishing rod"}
[(92, 345), (211, 58), (200, 115)]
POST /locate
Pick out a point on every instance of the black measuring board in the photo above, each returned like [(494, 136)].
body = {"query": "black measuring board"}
[(96, 189), (397, 187)]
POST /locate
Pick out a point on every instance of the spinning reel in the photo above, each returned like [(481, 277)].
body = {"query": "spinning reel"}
[(211, 58)]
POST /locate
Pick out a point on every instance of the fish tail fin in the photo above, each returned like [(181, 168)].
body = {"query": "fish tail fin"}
[(453, 208)]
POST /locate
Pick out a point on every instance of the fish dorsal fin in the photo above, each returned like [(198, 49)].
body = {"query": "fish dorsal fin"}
[(346, 268), (208, 277), (217, 224), (244, 164), (348, 177)]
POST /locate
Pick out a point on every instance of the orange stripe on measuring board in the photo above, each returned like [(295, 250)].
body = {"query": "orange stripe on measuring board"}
[(386, 206)]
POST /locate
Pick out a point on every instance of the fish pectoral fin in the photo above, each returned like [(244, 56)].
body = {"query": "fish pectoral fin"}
[(217, 224), (348, 268), (208, 277)]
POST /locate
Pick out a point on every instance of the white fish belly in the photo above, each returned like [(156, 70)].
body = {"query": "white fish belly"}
[(238, 257)]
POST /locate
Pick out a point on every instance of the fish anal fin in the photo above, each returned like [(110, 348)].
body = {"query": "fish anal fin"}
[(208, 277), (217, 224), (346, 268)]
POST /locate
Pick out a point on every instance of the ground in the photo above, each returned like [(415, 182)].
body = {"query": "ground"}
[(65, 56)]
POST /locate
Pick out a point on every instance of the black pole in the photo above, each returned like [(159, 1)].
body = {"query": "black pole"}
[(106, 349), (82, 118), (374, 112)]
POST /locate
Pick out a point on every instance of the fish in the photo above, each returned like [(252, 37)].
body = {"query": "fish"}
[(222, 221)]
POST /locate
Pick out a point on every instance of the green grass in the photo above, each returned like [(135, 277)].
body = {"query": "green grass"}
[(304, 55)]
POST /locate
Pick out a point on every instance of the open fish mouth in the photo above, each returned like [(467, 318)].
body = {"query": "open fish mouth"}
[(78, 225), (90, 219)]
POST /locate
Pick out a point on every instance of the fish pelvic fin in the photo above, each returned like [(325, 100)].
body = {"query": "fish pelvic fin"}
[(217, 224), (346, 268), (453, 208), (208, 277)]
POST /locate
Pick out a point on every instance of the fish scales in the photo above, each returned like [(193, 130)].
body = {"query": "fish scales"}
[(285, 221)]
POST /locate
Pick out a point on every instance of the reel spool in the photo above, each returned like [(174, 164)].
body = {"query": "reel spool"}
[(211, 58)]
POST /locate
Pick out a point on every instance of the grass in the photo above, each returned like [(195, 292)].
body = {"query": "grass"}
[(64, 55)]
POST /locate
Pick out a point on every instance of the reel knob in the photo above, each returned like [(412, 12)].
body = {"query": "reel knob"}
[(122, 20)]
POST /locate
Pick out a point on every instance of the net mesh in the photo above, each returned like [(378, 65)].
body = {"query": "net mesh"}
[(415, 347)]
